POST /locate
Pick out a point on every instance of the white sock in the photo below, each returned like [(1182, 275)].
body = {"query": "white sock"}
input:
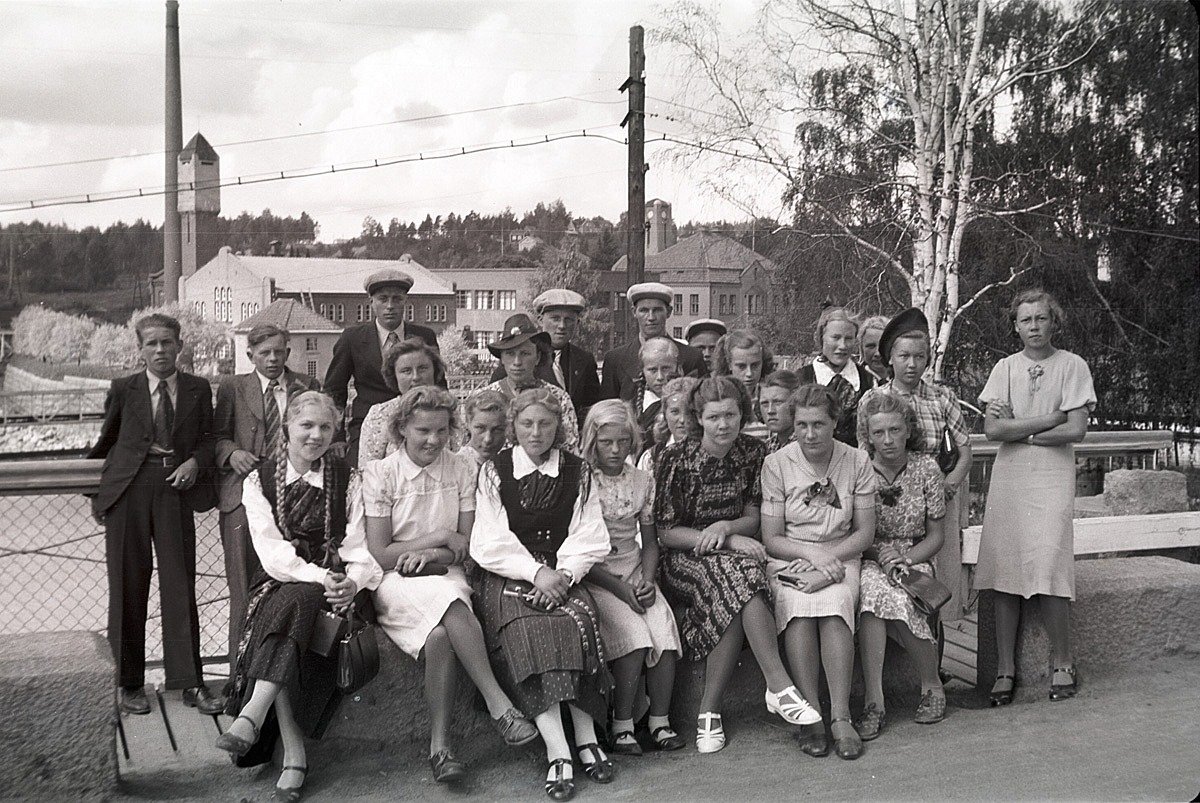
[(622, 726), (659, 722)]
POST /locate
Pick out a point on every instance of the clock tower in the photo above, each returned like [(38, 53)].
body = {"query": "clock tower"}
[(660, 228)]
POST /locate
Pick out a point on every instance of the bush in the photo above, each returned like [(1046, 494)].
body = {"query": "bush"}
[(50, 335), (205, 343), (114, 345)]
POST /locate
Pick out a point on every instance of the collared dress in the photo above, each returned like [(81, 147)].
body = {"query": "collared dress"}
[(1028, 542), (418, 500), (823, 517), (900, 513), (529, 516), (287, 594), (627, 501), (695, 489)]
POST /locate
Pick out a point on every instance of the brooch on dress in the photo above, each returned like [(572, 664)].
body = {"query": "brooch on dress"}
[(822, 493), (1036, 371), (890, 494)]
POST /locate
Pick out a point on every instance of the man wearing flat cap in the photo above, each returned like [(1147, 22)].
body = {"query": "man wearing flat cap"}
[(571, 368), (651, 305), (358, 353), (703, 334)]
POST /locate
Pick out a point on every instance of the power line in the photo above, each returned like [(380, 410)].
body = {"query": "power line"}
[(287, 175), (364, 126)]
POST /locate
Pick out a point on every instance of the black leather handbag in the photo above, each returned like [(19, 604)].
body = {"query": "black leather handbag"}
[(947, 456), (927, 593), (357, 654)]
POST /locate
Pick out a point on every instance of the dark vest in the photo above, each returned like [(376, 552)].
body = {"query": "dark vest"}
[(541, 531), (337, 512)]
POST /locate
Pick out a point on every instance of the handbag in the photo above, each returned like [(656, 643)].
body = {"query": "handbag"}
[(927, 593), (947, 455), (808, 582), (357, 654), (329, 628)]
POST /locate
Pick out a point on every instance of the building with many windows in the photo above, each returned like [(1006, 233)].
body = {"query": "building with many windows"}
[(231, 288)]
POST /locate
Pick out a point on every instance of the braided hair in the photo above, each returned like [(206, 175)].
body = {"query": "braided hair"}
[(309, 398)]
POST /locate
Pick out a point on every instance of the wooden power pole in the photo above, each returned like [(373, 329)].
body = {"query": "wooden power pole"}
[(635, 123)]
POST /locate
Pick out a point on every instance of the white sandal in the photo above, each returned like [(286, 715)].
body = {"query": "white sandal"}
[(792, 707), (710, 733)]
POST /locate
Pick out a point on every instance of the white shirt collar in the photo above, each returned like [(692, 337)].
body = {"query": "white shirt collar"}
[(524, 466), (410, 470), (172, 382), (649, 398), (824, 372), (382, 333), (312, 477), (263, 381)]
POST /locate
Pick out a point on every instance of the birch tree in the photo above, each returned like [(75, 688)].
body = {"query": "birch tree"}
[(870, 112)]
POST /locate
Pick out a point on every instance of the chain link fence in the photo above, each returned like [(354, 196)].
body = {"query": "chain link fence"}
[(55, 577)]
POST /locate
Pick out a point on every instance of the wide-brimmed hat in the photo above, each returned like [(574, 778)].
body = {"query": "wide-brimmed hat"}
[(559, 298), (386, 278), (911, 320), (650, 290), (704, 325), (518, 329)]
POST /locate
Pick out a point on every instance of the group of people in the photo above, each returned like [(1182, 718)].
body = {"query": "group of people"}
[(567, 535)]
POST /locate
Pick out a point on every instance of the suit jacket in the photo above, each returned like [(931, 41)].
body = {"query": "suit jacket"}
[(239, 424), (579, 369), (128, 432), (357, 356), (622, 367)]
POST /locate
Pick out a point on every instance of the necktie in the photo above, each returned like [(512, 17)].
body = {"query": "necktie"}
[(559, 376), (392, 340), (271, 409), (164, 418)]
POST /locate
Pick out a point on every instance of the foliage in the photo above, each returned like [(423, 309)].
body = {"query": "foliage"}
[(457, 356), (50, 335), (206, 344), (114, 345)]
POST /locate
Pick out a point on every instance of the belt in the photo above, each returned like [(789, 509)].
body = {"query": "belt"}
[(164, 460)]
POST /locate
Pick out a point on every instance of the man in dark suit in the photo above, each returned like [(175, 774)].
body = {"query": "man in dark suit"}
[(246, 432), (572, 368), (156, 442), (358, 353), (651, 305)]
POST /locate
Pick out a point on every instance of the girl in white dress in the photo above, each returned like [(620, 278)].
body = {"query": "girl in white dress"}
[(420, 507), (636, 623)]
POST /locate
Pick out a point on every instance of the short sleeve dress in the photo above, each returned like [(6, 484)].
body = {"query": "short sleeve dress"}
[(695, 489), (1028, 542), (418, 500), (900, 512), (817, 507)]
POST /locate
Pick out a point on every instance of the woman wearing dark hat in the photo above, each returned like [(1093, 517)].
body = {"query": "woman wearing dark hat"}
[(835, 368), (522, 348), (905, 348)]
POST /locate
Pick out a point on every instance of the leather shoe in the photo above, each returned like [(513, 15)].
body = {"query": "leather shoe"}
[(515, 727), (849, 746), (600, 768), (132, 700), (203, 700), (447, 768), (813, 741)]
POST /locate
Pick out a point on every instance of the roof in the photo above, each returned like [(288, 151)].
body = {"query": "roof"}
[(198, 145), (302, 274), (705, 251), (289, 314)]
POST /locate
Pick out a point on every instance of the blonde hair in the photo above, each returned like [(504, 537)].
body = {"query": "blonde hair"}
[(828, 316), (609, 411), (429, 398), (540, 397)]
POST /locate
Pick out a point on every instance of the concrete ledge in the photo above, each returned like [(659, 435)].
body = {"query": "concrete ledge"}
[(58, 726), (1127, 611)]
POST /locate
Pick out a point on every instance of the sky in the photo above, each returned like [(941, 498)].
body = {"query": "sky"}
[(313, 86)]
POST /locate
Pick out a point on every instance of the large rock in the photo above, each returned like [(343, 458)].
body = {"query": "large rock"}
[(1136, 491), (1127, 611), (57, 717)]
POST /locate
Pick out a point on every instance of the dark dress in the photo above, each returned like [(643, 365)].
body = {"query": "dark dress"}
[(695, 489), (846, 430), (279, 616), (543, 658)]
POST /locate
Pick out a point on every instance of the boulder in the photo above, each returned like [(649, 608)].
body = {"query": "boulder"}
[(1137, 491)]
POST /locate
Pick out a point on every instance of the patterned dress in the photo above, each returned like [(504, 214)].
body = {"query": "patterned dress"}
[(817, 507), (1028, 542), (695, 489), (901, 509), (541, 658), (628, 500)]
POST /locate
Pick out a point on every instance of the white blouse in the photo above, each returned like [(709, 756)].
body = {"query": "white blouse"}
[(497, 549), (278, 556)]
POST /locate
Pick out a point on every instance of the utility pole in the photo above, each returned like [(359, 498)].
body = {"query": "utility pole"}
[(635, 119), (173, 143)]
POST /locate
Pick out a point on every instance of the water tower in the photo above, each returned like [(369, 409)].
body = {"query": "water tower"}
[(199, 203)]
